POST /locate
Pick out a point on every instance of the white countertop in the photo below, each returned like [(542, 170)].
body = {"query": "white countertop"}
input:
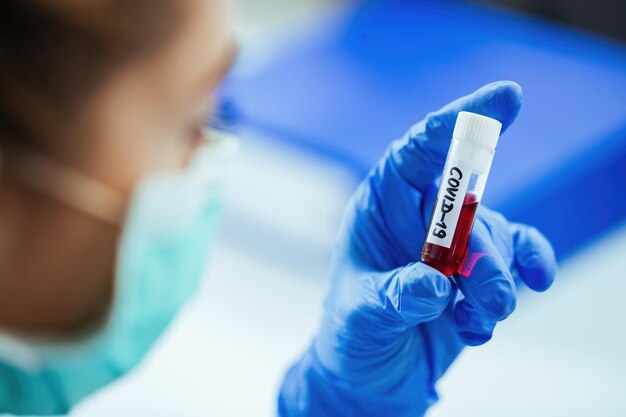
[(560, 354)]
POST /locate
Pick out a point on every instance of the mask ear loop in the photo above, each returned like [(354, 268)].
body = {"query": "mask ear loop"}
[(65, 185)]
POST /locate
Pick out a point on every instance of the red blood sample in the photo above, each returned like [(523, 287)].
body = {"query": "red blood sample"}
[(448, 261)]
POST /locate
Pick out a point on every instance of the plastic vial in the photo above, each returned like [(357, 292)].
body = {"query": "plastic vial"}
[(462, 184)]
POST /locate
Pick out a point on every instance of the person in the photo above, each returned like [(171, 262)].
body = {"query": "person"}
[(109, 191)]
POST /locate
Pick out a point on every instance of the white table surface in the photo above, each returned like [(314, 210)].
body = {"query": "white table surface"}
[(560, 354)]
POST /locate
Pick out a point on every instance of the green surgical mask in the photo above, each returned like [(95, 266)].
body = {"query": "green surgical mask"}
[(168, 231)]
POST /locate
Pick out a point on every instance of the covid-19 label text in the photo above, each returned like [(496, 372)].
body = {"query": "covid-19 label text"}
[(449, 202)]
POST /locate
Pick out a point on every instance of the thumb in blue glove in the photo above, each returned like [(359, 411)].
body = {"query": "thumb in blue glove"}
[(391, 324)]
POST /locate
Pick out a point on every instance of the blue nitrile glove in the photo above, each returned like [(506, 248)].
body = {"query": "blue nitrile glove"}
[(393, 325)]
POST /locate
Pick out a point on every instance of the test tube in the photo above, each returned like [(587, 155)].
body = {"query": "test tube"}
[(461, 189)]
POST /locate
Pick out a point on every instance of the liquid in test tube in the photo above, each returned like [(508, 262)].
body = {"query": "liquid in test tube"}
[(461, 189)]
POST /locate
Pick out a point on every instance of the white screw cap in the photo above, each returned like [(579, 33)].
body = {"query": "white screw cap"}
[(478, 129)]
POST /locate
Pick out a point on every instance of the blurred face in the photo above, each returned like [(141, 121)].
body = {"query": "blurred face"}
[(145, 118), (149, 115)]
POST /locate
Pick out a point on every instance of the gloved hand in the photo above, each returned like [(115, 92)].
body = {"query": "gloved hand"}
[(392, 325)]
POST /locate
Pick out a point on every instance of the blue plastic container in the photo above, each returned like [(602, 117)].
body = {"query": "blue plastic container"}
[(360, 75)]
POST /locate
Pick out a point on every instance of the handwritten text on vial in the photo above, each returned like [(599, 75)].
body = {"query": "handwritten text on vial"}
[(449, 202)]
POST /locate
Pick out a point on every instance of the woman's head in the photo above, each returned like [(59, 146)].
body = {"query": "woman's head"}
[(114, 89), (95, 79)]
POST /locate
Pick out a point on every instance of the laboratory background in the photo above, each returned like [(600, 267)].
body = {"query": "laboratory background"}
[(318, 91)]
